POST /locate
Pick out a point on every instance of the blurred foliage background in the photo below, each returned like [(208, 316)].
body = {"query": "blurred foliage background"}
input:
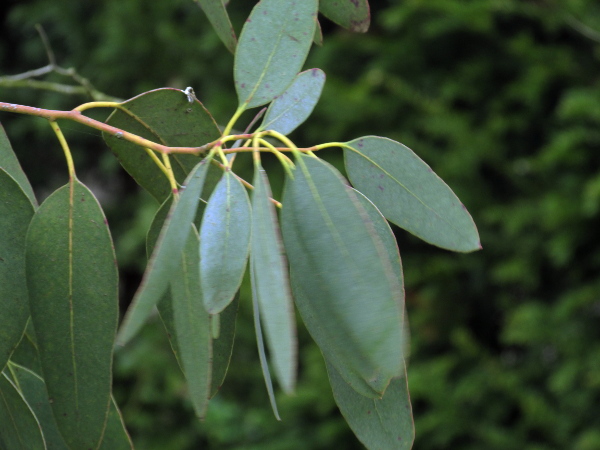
[(500, 97)]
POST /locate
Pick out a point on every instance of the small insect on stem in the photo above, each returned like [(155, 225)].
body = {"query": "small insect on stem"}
[(191, 95)]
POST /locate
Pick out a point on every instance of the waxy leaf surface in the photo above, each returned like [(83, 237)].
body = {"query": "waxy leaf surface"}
[(272, 49), (384, 423), (19, 428), (224, 243), (167, 117), (353, 15), (272, 289), (10, 163), (166, 256), (349, 292), (223, 345), (293, 107), (192, 325), (409, 194), (72, 281), (16, 212), (217, 15)]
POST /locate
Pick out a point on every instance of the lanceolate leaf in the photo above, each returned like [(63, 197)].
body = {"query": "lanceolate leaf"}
[(9, 162), (219, 19), (261, 346), (19, 428), (16, 212), (353, 15), (224, 243), (166, 256), (384, 423), (272, 289), (293, 107), (192, 325), (72, 281), (167, 117), (351, 295), (115, 434), (409, 194), (223, 345), (272, 49)]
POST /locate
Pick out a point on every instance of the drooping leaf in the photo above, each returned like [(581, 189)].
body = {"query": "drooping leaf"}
[(223, 345), (353, 15), (264, 365), (272, 49), (115, 435), (217, 15), (384, 423), (33, 389), (272, 289), (10, 163), (318, 37), (72, 281), (293, 107), (166, 255), (19, 428), (26, 354), (350, 299), (192, 325), (16, 212), (224, 243), (167, 117), (409, 194)]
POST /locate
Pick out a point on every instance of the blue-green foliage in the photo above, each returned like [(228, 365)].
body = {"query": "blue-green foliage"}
[(500, 98)]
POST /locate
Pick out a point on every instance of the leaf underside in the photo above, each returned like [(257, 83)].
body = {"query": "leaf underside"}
[(354, 15)]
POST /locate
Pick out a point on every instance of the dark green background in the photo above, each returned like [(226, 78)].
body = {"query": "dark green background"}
[(500, 97)]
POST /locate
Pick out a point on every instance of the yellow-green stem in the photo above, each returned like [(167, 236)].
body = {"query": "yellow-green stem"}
[(170, 176), (65, 147), (91, 105)]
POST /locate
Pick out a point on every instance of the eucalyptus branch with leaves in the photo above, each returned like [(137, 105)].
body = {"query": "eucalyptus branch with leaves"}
[(335, 258)]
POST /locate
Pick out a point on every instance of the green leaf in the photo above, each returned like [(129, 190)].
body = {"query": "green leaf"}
[(384, 423), (166, 255), (354, 15), (192, 325), (272, 49), (223, 345), (33, 389), (19, 428), (224, 243), (264, 365), (10, 163), (272, 289), (72, 281), (409, 194), (16, 212), (164, 116), (115, 434), (318, 37), (32, 386), (293, 107), (350, 299), (217, 15)]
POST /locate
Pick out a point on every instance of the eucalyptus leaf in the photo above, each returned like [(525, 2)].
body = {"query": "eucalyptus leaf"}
[(115, 434), (10, 163), (223, 345), (380, 424), (351, 299), (409, 194), (217, 15), (293, 107), (264, 365), (165, 258), (167, 117), (16, 212), (192, 325), (272, 289), (224, 243), (73, 293), (19, 428), (353, 15), (272, 49)]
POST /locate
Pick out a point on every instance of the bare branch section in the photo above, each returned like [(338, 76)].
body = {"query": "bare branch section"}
[(26, 79)]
